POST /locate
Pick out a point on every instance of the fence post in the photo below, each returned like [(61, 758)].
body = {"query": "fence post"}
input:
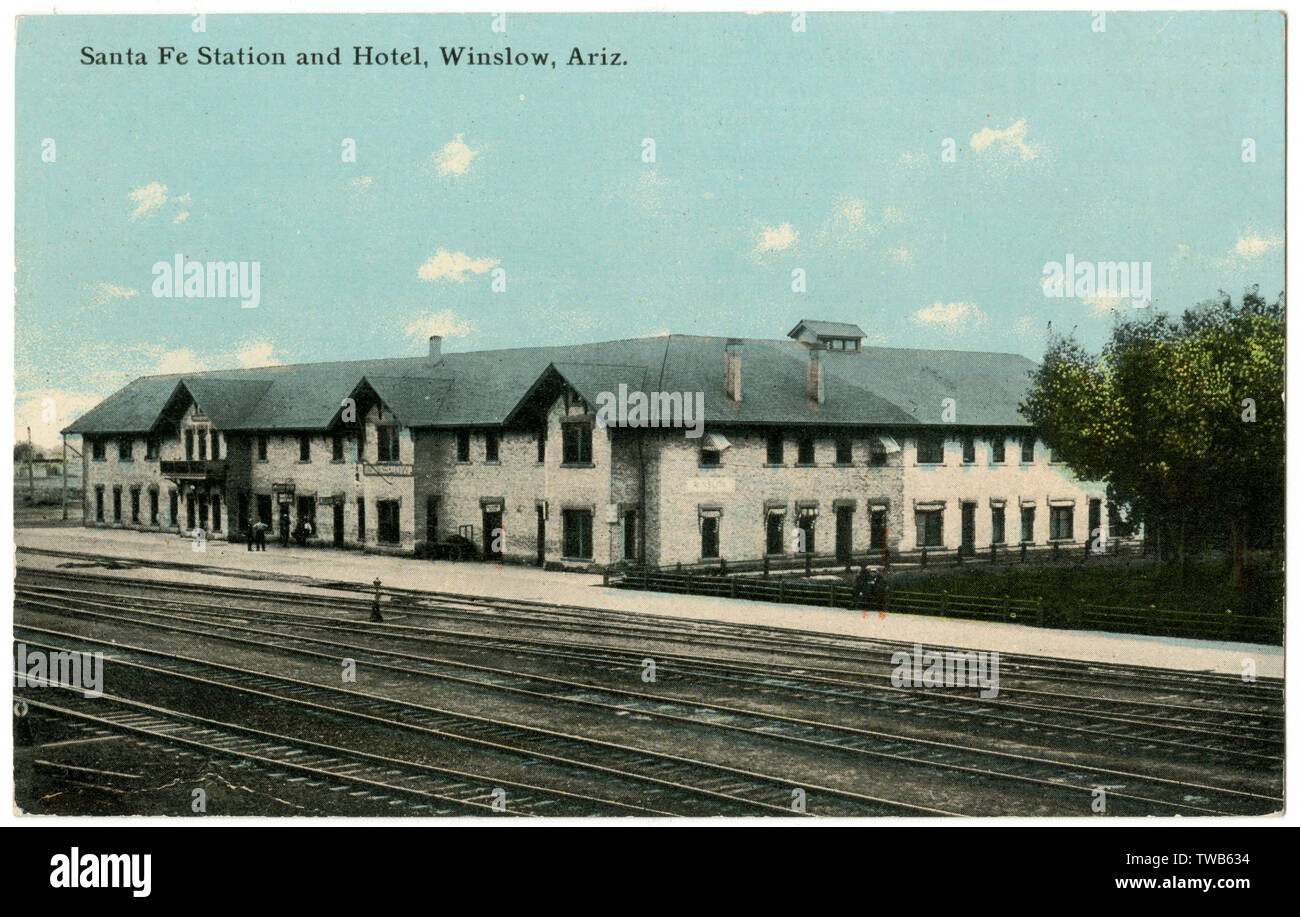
[(733, 587), (923, 555), (993, 554), (943, 604), (1024, 551), (807, 563), (767, 565), (1006, 607), (780, 590), (1038, 611), (832, 601)]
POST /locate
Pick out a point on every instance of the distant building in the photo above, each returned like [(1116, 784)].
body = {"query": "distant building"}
[(814, 443)]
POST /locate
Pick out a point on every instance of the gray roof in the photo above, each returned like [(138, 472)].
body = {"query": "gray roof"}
[(882, 386)]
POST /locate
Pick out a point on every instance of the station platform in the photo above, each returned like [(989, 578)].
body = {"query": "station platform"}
[(167, 557)]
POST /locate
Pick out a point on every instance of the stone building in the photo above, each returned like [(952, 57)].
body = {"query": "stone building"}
[(664, 450)]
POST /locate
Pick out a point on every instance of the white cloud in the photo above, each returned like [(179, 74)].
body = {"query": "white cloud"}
[(153, 196), (1254, 246), (148, 199), (776, 239), (455, 157), (1007, 143), (949, 316), (901, 256), (445, 265), (256, 353), (360, 183), (47, 411), (444, 324), (109, 291), (913, 160), (1104, 303), (179, 361)]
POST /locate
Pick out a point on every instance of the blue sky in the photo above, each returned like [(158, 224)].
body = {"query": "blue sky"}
[(775, 150)]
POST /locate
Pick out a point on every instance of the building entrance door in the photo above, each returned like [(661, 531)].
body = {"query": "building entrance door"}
[(493, 535), (844, 533), (338, 523)]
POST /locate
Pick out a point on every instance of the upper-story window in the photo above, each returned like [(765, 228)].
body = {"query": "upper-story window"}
[(807, 450), (999, 446), (216, 446), (776, 448), (968, 450), (844, 451), (577, 444), (96, 450), (151, 448), (710, 458), (387, 443), (336, 448), (1027, 450), (203, 445), (462, 445), (124, 449), (189, 445), (929, 450), (304, 448), (261, 447), (491, 447)]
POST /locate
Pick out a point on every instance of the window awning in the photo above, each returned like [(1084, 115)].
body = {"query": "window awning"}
[(710, 512), (1060, 501), (715, 442), (885, 443)]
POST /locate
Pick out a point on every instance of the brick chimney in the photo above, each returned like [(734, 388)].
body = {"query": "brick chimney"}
[(816, 381), (731, 369), (435, 348)]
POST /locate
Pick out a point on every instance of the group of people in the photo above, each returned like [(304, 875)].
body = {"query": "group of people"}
[(257, 535)]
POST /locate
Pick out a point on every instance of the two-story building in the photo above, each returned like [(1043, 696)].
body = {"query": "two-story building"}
[(663, 450)]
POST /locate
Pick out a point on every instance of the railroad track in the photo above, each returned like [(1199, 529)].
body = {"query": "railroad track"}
[(1222, 733), (424, 789), (1051, 775), (694, 633), (732, 790)]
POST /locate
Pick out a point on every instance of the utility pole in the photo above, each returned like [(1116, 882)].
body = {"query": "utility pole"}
[(31, 477), (63, 494)]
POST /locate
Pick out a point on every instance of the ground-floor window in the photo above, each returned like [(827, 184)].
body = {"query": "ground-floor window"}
[(135, 506), (808, 527), (577, 534), (629, 535), (1061, 519), (929, 528), (390, 527), (709, 537), (99, 503), (264, 509), (775, 533), (1027, 525), (117, 504), (172, 505), (878, 527), (361, 519), (307, 512), (216, 505), (431, 519), (999, 525), (153, 507)]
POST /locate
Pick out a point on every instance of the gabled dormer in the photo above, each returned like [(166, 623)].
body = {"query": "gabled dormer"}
[(818, 335)]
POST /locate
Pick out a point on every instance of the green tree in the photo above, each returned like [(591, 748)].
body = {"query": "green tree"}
[(1183, 418)]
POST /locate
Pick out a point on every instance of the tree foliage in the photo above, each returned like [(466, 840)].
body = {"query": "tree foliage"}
[(1182, 417)]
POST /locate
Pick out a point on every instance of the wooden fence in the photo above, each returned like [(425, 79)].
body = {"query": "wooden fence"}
[(1078, 615)]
